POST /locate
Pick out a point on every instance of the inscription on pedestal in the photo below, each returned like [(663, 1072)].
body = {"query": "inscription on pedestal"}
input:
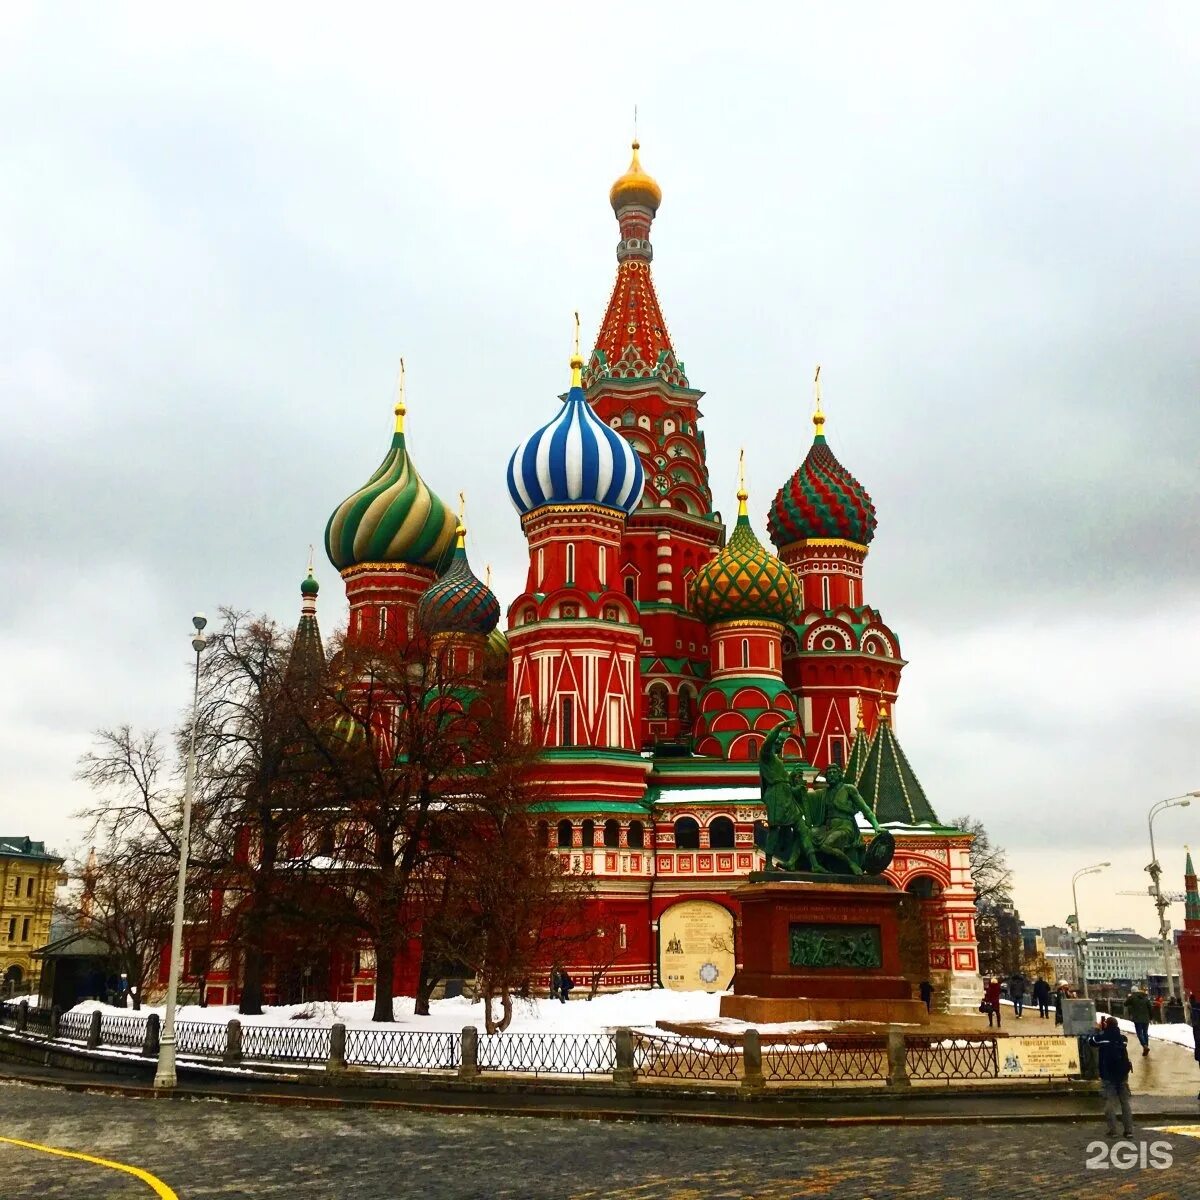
[(812, 945)]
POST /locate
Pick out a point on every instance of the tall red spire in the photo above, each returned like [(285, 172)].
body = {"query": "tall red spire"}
[(633, 342)]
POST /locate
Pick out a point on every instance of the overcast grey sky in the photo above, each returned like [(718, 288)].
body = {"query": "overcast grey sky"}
[(219, 230)]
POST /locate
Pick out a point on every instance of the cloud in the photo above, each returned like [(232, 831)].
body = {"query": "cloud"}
[(220, 235)]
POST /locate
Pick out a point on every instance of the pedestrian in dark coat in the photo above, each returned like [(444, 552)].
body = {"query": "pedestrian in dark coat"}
[(1137, 1009), (1061, 993), (991, 998), (565, 984), (1041, 994), (1016, 989), (927, 994), (1196, 1030), (553, 983), (1114, 1075)]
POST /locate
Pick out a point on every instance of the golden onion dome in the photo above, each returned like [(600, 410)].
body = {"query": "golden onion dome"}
[(635, 187)]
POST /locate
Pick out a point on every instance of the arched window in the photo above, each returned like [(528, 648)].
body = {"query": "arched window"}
[(383, 620), (564, 834), (612, 834), (604, 566), (924, 887), (825, 592), (853, 597), (720, 833), (541, 561), (325, 841), (658, 702), (686, 703), (687, 834), (570, 562), (631, 587), (752, 747), (543, 835), (636, 837), (745, 652), (589, 833)]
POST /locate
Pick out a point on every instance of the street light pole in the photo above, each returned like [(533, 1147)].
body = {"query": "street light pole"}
[(1155, 871), (1080, 939), (164, 1075)]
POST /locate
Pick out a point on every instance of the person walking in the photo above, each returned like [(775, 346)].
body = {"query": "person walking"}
[(927, 994), (1062, 992), (1041, 994), (991, 1001), (1137, 1009), (1016, 989), (1114, 1075), (1196, 1031), (565, 984)]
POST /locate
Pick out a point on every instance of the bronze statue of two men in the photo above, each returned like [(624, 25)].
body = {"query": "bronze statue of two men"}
[(816, 831)]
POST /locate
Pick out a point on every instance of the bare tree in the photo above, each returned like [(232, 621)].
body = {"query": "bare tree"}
[(997, 924), (128, 902), (256, 766)]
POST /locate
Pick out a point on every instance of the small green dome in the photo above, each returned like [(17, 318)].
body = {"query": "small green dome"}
[(309, 586), (393, 518)]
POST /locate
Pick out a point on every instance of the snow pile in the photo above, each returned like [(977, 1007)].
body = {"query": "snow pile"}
[(629, 1009)]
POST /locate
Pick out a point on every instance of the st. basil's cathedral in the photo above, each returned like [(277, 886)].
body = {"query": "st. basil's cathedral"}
[(648, 652)]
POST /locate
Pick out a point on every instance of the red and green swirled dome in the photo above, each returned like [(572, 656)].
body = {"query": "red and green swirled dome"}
[(459, 602), (393, 518), (745, 582), (821, 500)]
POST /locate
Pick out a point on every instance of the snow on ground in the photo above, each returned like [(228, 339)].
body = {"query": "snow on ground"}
[(631, 1009), (1181, 1035)]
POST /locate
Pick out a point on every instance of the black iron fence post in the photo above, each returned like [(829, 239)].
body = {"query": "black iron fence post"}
[(150, 1039), (93, 1042), (752, 1072), (233, 1043), (469, 1063), (55, 1017), (337, 1048), (897, 1060), (22, 1016)]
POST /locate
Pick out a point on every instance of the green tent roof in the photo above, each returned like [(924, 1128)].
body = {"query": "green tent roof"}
[(889, 784)]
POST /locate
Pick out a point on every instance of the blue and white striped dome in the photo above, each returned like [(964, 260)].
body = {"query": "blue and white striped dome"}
[(575, 459)]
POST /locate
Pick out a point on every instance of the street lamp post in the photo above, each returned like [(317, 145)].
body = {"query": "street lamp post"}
[(1080, 939), (1155, 872), (164, 1075)]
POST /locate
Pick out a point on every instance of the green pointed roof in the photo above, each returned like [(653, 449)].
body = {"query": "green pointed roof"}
[(890, 785), (858, 756)]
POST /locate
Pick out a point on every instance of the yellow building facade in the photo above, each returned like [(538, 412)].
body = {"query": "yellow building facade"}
[(28, 879)]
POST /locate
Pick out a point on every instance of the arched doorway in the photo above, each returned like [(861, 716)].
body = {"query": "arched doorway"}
[(695, 947), (13, 978)]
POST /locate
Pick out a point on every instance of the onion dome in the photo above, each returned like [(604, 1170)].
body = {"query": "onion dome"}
[(309, 586), (745, 581), (575, 459), (393, 517), (635, 187), (459, 602), (822, 499)]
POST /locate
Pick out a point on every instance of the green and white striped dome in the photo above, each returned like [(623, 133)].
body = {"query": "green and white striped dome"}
[(393, 518)]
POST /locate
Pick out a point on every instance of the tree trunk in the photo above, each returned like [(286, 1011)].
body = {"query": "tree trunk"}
[(426, 982), (252, 979), (385, 975)]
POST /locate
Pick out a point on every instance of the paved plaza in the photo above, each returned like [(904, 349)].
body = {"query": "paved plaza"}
[(201, 1149)]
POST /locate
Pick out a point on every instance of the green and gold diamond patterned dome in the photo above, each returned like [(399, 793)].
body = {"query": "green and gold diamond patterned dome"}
[(394, 518), (745, 582)]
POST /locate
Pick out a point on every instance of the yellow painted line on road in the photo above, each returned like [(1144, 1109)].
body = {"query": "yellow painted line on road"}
[(1181, 1130), (159, 1188)]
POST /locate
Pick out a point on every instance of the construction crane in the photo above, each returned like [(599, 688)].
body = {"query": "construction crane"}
[(1170, 897)]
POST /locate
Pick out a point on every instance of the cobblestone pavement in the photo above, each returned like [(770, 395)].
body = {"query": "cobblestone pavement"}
[(206, 1149)]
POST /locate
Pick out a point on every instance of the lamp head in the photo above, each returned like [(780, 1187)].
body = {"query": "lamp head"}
[(1184, 802), (199, 621)]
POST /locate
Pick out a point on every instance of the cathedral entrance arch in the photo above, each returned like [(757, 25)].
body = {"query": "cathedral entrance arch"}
[(695, 946)]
